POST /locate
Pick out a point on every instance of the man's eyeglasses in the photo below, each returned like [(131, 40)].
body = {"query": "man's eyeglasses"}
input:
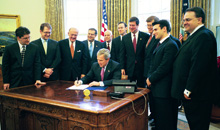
[(25, 38), (47, 32)]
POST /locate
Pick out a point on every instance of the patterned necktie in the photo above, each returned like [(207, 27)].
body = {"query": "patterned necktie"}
[(45, 47), (22, 54), (102, 73), (90, 49), (134, 43), (72, 50)]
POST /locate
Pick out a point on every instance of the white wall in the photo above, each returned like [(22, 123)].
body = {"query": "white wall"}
[(32, 13)]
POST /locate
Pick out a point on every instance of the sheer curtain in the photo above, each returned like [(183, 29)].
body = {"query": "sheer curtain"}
[(54, 15), (117, 10), (176, 11)]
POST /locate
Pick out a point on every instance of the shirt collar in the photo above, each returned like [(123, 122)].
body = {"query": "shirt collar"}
[(42, 40), (20, 45), (197, 28), (106, 65), (136, 34), (161, 41), (71, 42)]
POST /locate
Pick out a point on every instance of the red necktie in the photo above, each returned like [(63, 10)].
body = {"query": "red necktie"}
[(108, 47), (158, 44), (72, 50), (134, 43), (149, 41), (102, 73)]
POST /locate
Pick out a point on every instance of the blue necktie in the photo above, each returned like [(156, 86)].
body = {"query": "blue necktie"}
[(90, 49)]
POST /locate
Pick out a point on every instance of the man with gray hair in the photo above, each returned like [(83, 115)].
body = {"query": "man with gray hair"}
[(102, 72)]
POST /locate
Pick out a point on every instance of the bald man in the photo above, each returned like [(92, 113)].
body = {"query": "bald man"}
[(73, 57)]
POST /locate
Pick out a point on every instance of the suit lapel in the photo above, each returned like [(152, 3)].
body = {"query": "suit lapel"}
[(26, 55), (94, 50), (160, 46), (99, 73), (139, 41), (185, 43), (130, 42), (17, 52), (68, 48), (49, 44), (107, 70)]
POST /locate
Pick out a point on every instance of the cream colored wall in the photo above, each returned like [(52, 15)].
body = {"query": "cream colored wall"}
[(32, 13)]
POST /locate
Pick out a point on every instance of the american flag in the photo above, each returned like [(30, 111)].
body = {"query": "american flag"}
[(104, 22), (182, 32)]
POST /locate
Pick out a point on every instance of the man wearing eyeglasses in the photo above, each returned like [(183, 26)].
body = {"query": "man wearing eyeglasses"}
[(195, 70), (21, 62), (49, 54)]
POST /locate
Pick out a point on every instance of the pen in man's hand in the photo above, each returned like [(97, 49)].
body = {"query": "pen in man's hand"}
[(77, 81)]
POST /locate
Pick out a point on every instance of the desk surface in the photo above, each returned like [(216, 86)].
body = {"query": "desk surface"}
[(55, 93)]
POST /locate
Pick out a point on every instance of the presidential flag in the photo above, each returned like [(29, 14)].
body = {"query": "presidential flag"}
[(104, 21), (183, 34)]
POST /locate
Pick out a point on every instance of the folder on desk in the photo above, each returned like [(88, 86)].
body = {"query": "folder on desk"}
[(96, 88)]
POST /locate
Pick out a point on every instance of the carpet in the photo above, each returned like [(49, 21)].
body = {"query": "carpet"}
[(182, 125)]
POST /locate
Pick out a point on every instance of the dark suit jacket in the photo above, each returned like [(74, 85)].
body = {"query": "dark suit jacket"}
[(128, 56), (195, 67), (13, 72), (112, 72), (148, 55), (114, 50), (176, 40), (72, 68), (160, 73), (97, 46), (51, 60), (149, 52)]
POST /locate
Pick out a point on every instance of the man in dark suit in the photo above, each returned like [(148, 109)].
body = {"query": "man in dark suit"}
[(150, 46), (92, 47), (21, 62), (132, 52), (111, 45), (103, 72), (73, 57), (160, 76), (49, 54), (194, 71), (122, 29)]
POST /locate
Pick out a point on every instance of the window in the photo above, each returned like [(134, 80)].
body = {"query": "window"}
[(146, 8), (81, 14), (215, 22)]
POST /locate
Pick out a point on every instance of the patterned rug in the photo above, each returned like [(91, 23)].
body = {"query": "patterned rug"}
[(182, 125)]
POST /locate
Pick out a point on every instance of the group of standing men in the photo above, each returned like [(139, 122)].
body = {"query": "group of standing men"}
[(171, 72)]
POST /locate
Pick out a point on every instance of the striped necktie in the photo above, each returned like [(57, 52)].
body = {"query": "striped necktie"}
[(22, 54)]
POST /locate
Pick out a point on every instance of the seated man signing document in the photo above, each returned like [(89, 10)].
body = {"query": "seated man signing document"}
[(102, 72)]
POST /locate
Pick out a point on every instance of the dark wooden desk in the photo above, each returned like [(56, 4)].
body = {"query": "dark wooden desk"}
[(52, 107)]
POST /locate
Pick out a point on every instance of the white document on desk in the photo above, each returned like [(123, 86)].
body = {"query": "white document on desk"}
[(80, 87)]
